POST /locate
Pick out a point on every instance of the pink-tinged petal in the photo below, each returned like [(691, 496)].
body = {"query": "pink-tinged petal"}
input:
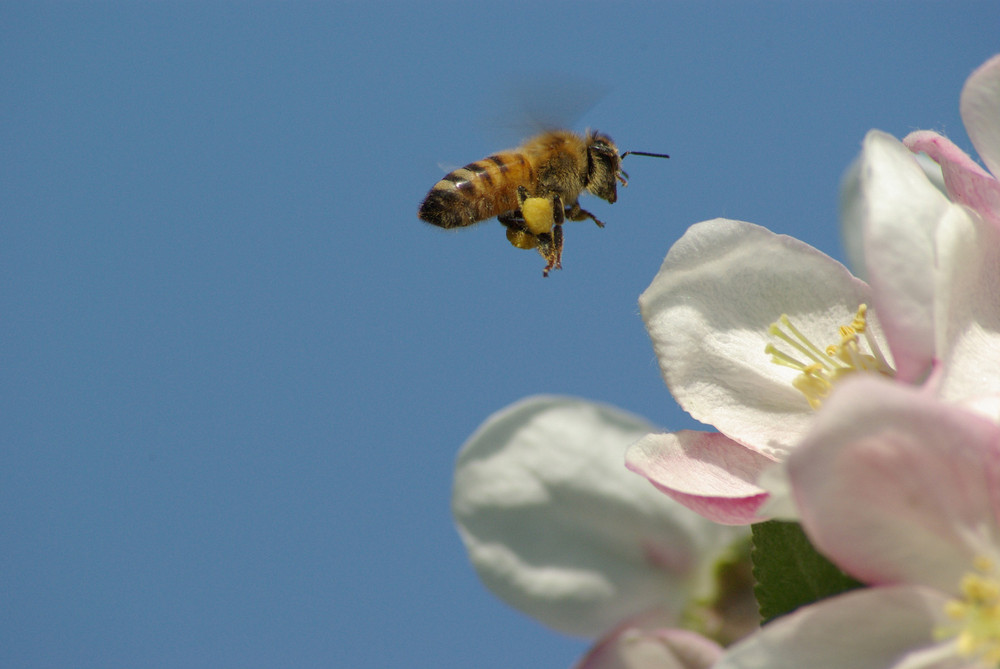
[(895, 486), (980, 108), (558, 528), (705, 471), (708, 310), (900, 210), (968, 310), (635, 645), (967, 182), (875, 628)]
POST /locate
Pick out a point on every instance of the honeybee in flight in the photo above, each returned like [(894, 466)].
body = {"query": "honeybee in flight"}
[(532, 189)]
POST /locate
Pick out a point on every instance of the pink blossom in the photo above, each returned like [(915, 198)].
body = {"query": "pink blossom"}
[(902, 491), (932, 320), (709, 313)]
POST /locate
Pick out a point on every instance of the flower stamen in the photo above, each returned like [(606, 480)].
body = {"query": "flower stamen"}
[(976, 629), (824, 367)]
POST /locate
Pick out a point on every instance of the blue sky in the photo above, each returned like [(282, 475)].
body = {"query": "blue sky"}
[(236, 368)]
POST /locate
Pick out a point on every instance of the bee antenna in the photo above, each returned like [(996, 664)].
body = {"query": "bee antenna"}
[(645, 153)]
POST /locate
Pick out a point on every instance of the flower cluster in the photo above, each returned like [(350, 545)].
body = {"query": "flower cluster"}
[(866, 410)]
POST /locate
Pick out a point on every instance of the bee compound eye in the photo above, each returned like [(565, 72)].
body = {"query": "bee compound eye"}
[(522, 239)]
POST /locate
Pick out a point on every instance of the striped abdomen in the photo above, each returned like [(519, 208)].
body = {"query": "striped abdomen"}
[(480, 190)]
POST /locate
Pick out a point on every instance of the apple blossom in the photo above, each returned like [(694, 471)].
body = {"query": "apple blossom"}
[(930, 307), (968, 318), (948, 315), (781, 349), (902, 491), (557, 528), (751, 329)]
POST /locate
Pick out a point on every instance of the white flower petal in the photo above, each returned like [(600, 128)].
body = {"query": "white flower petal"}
[(968, 322), (708, 311), (852, 220), (875, 628), (986, 406), (900, 209), (853, 216), (980, 108), (780, 504), (558, 528)]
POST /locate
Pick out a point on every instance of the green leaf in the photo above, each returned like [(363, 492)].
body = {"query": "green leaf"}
[(789, 572)]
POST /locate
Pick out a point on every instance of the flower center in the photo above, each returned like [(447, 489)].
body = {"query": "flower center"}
[(977, 614), (823, 367)]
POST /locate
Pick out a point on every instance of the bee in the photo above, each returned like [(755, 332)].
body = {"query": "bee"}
[(532, 189)]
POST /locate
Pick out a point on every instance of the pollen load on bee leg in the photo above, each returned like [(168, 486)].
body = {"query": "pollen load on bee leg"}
[(521, 239), (538, 215)]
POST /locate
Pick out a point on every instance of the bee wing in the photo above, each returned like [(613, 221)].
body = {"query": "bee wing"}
[(529, 105)]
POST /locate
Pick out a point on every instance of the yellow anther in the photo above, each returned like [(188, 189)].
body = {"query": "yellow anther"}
[(860, 322), (823, 367), (976, 629), (983, 564)]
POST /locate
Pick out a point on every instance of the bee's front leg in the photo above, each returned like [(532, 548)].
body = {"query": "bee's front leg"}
[(575, 213)]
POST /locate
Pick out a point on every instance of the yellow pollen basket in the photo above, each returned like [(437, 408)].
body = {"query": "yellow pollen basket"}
[(823, 367), (537, 213), (521, 239), (976, 629)]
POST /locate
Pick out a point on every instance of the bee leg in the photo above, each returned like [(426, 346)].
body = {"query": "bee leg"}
[(542, 216), (512, 219), (517, 234), (558, 217), (575, 213), (558, 210), (522, 195), (537, 223), (553, 254), (539, 213)]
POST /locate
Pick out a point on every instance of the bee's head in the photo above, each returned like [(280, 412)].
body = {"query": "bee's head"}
[(604, 166)]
